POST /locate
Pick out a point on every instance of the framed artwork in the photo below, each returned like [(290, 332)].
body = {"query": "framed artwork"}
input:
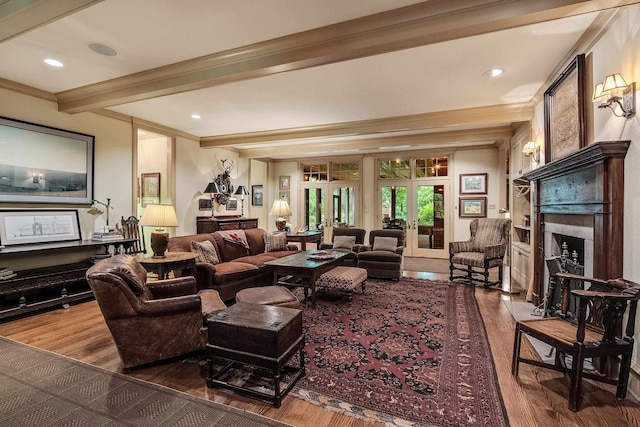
[(232, 204), (565, 113), (204, 204), (473, 183), (150, 185), (475, 207), (41, 164), (38, 226), (284, 195), (285, 183), (256, 195)]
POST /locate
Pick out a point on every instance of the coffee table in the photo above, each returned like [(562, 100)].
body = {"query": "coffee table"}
[(302, 269)]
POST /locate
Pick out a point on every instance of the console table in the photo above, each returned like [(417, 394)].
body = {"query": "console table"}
[(207, 224)]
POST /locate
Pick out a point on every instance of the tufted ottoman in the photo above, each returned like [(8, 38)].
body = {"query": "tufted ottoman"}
[(343, 279), (268, 295)]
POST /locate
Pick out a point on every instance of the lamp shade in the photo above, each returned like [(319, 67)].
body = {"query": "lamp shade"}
[(529, 148), (212, 188), (241, 191), (614, 81), (159, 216), (281, 208)]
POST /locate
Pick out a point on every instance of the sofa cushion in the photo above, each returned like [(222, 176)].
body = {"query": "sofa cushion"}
[(275, 242), (206, 252), (231, 272), (344, 242), (385, 244)]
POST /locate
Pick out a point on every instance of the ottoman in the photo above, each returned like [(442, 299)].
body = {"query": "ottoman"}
[(268, 295), (343, 279)]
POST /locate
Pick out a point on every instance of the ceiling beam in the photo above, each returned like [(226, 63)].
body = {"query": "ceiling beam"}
[(491, 115), (421, 24), (18, 17)]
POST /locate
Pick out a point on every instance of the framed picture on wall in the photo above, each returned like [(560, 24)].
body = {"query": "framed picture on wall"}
[(285, 183), (38, 226), (475, 207), (473, 183), (150, 187), (256, 195)]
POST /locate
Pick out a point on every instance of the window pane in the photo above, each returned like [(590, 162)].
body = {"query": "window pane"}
[(437, 166), (394, 169), (344, 171), (315, 173)]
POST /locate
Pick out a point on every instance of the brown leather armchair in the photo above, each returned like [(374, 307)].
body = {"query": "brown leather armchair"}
[(384, 256), (358, 236), (150, 323)]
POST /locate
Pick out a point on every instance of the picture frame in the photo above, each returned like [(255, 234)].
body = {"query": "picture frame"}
[(565, 112), (473, 207), (150, 187), (42, 164), (473, 183), (284, 195), (256, 195), (204, 204), (285, 183), (232, 204), (20, 227)]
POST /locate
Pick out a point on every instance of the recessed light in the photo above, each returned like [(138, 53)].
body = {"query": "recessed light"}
[(495, 72), (53, 62), (196, 116)]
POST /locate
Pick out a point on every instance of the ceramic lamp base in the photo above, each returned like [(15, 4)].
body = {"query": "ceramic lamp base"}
[(281, 223), (159, 242)]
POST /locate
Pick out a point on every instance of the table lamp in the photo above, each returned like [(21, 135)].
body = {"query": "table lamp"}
[(159, 216), (212, 189), (281, 209), (241, 191)]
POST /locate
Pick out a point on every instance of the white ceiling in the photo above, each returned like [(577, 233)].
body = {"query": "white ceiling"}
[(311, 103)]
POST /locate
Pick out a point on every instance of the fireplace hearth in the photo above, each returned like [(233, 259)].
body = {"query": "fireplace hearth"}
[(581, 195)]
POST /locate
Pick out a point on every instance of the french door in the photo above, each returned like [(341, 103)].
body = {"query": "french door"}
[(420, 208), (327, 205)]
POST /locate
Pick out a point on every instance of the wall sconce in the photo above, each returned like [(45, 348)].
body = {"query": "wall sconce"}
[(530, 149), (614, 90)]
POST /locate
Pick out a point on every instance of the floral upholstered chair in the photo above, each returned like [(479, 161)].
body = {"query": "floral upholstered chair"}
[(484, 250)]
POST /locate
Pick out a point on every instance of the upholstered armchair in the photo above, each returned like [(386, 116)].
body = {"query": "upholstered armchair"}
[(150, 323), (348, 240), (384, 255), (484, 250)]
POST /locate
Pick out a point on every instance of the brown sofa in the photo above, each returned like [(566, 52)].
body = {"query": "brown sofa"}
[(239, 268)]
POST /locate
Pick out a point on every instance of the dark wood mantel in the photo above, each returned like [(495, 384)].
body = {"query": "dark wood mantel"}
[(587, 182)]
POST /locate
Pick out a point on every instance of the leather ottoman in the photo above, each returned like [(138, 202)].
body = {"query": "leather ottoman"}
[(269, 295)]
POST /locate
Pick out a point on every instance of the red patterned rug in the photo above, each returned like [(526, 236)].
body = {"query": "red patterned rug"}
[(413, 352)]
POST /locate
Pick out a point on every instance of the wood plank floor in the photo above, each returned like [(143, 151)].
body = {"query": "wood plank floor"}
[(538, 397)]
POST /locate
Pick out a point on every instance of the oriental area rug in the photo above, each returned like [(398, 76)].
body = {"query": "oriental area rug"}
[(407, 353), (39, 388)]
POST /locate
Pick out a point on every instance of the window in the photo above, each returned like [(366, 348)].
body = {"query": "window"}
[(344, 171), (437, 166), (315, 173), (394, 169)]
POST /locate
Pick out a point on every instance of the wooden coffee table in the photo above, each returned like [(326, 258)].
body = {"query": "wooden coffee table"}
[(302, 269)]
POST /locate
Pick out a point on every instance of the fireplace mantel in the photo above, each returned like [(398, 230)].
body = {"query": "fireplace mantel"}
[(587, 182)]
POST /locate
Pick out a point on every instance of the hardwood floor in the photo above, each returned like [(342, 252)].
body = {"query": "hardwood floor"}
[(538, 397)]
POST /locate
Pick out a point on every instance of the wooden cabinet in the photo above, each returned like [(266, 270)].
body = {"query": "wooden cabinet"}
[(521, 232), (207, 224)]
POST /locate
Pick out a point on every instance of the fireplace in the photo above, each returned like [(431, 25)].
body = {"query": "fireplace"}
[(581, 196)]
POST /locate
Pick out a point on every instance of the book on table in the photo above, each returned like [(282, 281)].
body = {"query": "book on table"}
[(109, 235)]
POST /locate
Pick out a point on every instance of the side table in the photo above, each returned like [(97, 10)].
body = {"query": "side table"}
[(303, 237), (173, 261), (259, 335)]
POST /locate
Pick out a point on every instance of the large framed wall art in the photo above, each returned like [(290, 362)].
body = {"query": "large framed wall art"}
[(41, 164), (38, 226), (565, 113)]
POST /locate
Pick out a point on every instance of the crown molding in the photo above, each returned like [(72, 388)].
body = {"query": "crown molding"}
[(421, 24), (27, 90)]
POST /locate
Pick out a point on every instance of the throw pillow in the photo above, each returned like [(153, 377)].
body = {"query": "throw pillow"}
[(385, 244), (344, 242), (275, 242), (206, 252)]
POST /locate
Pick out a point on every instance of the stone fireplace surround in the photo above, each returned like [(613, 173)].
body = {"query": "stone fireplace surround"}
[(581, 195)]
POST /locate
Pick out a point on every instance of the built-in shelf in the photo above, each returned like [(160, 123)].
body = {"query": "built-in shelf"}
[(521, 187), (522, 227)]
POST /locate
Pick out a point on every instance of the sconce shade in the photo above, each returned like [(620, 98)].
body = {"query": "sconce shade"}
[(212, 188), (615, 91), (530, 149), (159, 216), (598, 93), (241, 191), (280, 209), (614, 82)]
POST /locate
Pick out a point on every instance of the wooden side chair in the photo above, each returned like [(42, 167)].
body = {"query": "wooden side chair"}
[(595, 332), (131, 230)]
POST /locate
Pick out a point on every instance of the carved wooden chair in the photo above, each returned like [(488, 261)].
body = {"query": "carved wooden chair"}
[(131, 230), (595, 332), (484, 250)]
